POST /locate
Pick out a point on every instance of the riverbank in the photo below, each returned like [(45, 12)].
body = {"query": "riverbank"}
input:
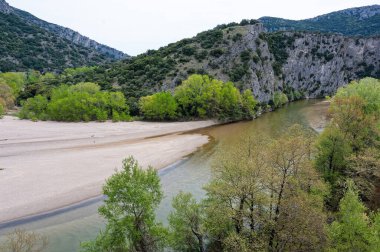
[(48, 165)]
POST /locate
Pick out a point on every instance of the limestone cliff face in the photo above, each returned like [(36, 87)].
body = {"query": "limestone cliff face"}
[(313, 63)]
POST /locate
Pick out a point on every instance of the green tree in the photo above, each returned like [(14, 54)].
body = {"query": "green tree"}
[(199, 96), (279, 99), (332, 152), (7, 99), (34, 108), (248, 104), (186, 223), (160, 106), (133, 194), (350, 232), (1, 111)]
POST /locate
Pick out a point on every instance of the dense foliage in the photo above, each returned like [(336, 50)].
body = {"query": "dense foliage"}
[(133, 194), (336, 22), (80, 102), (349, 146), (24, 46), (203, 97), (160, 106)]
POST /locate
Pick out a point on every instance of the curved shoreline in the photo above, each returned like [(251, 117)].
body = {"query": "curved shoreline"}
[(64, 209), (65, 159)]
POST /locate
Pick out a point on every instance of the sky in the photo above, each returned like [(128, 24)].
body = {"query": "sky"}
[(134, 26)]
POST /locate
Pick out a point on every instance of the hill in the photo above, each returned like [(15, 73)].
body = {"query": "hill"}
[(30, 43), (313, 64), (362, 21)]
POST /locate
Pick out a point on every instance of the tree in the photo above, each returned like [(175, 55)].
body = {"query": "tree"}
[(22, 241), (235, 203), (332, 152), (1, 111), (199, 96), (290, 175), (186, 223), (279, 99), (34, 108), (248, 104), (133, 194), (7, 98), (160, 106), (350, 232)]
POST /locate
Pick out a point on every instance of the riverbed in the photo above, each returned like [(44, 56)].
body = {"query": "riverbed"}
[(67, 227)]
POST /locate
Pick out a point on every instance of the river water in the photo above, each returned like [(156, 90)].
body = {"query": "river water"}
[(66, 228)]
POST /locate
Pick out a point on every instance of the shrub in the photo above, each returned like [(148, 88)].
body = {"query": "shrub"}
[(1, 111), (34, 108), (279, 99), (160, 106), (81, 102)]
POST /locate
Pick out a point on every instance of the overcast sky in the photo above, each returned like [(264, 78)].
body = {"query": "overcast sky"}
[(134, 26)]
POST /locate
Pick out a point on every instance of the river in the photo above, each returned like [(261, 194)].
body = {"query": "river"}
[(66, 228)]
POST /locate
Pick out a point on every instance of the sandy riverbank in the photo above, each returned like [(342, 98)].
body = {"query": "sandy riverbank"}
[(47, 165)]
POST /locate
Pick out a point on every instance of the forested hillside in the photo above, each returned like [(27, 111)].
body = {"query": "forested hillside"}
[(28, 43), (362, 21)]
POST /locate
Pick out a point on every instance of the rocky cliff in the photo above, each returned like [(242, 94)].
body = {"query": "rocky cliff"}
[(313, 64)]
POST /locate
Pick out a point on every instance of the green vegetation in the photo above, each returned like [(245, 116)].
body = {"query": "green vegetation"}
[(160, 106), (279, 99), (1, 111), (24, 46), (80, 102), (349, 146), (202, 97), (132, 197), (354, 230), (335, 22)]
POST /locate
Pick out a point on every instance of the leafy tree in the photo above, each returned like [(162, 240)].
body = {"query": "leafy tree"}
[(160, 106), (15, 81), (186, 223), (279, 99), (199, 96), (350, 231), (34, 108), (332, 152), (1, 111), (7, 98), (133, 194), (80, 102), (248, 104)]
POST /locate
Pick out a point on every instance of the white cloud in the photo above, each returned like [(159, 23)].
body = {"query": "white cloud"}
[(136, 26)]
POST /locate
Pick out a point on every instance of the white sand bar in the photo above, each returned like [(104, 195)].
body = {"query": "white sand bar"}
[(48, 165)]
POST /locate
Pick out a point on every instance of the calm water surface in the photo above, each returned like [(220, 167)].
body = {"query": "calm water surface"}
[(68, 228)]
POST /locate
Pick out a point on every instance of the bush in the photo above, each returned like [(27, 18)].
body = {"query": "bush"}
[(81, 102), (202, 97), (160, 106), (1, 111), (279, 99), (34, 108)]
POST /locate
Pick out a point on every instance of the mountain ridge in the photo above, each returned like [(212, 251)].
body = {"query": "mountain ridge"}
[(358, 21), (63, 32)]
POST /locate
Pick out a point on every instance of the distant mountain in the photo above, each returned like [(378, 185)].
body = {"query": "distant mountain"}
[(361, 21), (27, 42)]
